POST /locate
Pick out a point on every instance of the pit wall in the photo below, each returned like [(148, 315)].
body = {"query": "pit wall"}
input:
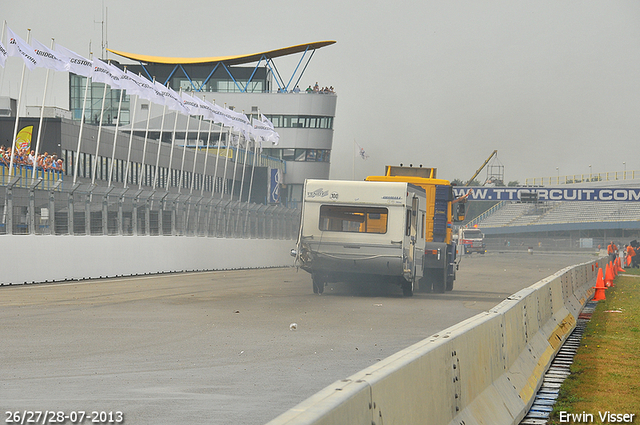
[(33, 259), (484, 370)]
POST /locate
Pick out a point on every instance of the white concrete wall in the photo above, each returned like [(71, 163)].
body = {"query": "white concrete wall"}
[(28, 259), (484, 370)]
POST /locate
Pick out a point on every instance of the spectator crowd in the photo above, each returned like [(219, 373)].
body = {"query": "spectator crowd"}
[(24, 156), (315, 89)]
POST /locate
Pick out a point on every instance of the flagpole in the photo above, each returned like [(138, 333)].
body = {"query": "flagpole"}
[(146, 136), (244, 164), (253, 168), (215, 170), (84, 104), (184, 154), (133, 122), (44, 96), (155, 174), (195, 157), (104, 96), (235, 166), (173, 142), (206, 158), (115, 135), (15, 128), (226, 159)]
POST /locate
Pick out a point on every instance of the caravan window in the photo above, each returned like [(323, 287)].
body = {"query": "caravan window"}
[(342, 218)]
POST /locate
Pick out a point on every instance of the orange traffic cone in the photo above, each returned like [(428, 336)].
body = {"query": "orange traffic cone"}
[(628, 260), (608, 275), (614, 270), (599, 287), (620, 269)]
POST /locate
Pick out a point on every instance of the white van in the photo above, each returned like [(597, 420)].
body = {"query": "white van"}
[(359, 230)]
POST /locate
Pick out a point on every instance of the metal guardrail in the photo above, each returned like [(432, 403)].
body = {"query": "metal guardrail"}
[(583, 178), (28, 208), (483, 216), (26, 173)]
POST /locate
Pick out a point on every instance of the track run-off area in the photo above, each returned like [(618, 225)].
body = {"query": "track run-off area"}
[(224, 347)]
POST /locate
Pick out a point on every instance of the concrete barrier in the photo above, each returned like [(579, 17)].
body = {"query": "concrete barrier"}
[(484, 370), (32, 258)]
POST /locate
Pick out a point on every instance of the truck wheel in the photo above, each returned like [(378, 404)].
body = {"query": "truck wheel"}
[(449, 283), (439, 281), (318, 284), (407, 288), (424, 284)]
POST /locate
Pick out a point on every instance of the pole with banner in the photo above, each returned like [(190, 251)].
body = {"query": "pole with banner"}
[(17, 47)]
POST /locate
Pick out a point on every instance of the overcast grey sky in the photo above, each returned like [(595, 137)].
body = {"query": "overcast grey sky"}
[(443, 83)]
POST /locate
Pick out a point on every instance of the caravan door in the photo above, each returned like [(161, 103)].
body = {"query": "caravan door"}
[(411, 235)]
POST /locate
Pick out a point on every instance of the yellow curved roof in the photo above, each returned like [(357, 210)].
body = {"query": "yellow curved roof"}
[(230, 60)]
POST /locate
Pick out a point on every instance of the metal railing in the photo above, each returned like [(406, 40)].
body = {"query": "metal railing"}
[(483, 216), (583, 178), (81, 209)]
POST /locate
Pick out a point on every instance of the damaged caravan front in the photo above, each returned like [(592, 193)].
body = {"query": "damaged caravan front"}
[(362, 231)]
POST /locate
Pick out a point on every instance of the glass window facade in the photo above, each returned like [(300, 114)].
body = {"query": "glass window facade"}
[(93, 108), (300, 155), (301, 121)]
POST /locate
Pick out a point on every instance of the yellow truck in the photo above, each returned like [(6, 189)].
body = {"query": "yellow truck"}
[(442, 209)]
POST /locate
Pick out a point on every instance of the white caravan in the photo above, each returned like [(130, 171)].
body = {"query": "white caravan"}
[(362, 231)]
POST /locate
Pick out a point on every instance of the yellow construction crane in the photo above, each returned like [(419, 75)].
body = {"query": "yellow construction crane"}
[(494, 153)]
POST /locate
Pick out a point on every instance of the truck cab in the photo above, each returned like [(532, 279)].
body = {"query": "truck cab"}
[(471, 240)]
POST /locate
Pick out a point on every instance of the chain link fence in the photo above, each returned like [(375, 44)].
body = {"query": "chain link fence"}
[(95, 210)]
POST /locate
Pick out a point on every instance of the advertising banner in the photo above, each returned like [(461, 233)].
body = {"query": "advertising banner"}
[(549, 193), (275, 178)]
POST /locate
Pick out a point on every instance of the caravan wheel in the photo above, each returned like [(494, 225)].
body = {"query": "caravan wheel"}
[(407, 287)]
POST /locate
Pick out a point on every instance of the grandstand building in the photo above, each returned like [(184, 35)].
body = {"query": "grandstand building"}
[(304, 121), (574, 221)]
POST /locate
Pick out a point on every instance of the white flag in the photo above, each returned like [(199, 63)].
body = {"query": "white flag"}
[(266, 121), (47, 58), (75, 63), (260, 129), (241, 123), (207, 109), (220, 115), (147, 89), (273, 137), (18, 47), (103, 73), (191, 104), (130, 82), (171, 98), (3, 54)]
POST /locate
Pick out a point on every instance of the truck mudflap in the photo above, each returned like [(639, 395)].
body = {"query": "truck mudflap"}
[(435, 255), (439, 267)]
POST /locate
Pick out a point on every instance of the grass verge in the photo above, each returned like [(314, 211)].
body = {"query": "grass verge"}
[(605, 375)]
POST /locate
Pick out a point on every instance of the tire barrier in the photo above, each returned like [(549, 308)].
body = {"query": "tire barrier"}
[(484, 370)]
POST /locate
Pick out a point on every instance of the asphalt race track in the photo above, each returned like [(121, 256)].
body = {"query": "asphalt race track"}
[(218, 347)]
